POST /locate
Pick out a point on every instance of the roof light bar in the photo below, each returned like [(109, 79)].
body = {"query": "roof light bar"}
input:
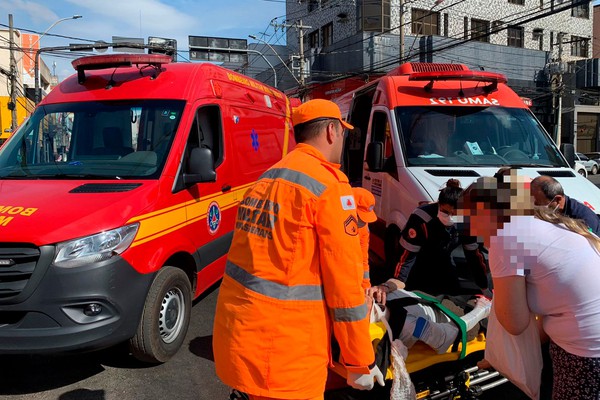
[(115, 61)]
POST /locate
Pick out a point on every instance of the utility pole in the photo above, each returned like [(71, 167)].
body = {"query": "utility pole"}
[(559, 90), (301, 36), (300, 28), (401, 31), (12, 105)]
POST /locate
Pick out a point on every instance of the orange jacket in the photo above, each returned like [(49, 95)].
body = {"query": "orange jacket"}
[(364, 234), (293, 273)]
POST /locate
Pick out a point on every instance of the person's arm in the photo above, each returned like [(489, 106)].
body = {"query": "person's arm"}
[(412, 238), (591, 219), (342, 272), (475, 261), (510, 303)]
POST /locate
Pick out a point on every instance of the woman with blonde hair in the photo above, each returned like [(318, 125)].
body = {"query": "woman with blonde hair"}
[(544, 263)]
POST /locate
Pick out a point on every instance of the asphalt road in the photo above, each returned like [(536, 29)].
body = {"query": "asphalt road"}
[(114, 375)]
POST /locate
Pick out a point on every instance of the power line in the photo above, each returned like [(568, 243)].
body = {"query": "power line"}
[(529, 17)]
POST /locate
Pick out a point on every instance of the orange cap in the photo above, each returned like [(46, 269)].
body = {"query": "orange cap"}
[(315, 109), (365, 203)]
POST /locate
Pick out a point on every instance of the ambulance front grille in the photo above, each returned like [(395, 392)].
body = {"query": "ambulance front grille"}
[(17, 263)]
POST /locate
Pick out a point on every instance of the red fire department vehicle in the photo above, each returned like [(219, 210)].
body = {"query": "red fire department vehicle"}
[(118, 200)]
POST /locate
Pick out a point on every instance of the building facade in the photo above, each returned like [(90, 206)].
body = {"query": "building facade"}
[(24, 53), (533, 42)]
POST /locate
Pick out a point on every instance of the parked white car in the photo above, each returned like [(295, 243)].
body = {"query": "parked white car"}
[(580, 168), (590, 165)]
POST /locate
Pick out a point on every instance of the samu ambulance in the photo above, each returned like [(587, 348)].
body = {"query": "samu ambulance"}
[(118, 199), (424, 123)]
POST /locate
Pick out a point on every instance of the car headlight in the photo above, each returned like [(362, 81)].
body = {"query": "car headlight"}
[(94, 248)]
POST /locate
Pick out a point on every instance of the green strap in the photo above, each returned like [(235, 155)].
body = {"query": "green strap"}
[(462, 326)]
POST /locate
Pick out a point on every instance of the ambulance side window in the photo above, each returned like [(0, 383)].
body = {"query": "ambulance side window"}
[(207, 132), (381, 132)]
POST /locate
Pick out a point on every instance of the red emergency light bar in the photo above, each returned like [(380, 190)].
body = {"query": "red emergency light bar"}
[(115, 61), (478, 76)]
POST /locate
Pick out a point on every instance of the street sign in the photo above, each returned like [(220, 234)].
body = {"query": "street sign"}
[(216, 49), (163, 46)]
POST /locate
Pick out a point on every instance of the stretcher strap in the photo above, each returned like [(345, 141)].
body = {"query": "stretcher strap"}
[(462, 326)]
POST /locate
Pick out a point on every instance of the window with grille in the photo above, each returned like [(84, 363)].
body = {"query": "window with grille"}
[(313, 39), (538, 35), (425, 22), (519, 2), (581, 11), (328, 34), (515, 36), (579, 46), (480, 30), (374, 15)]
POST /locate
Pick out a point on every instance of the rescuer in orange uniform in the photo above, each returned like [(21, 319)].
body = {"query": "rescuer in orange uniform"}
[(294, 273), (365, 203)]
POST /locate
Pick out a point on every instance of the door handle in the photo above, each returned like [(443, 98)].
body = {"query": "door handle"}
[(367, 178), (225, 188)]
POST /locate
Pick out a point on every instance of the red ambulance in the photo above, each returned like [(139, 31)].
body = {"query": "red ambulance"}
[(118, 199)]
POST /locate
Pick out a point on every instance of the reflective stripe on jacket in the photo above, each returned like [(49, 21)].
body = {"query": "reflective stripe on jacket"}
[(293, 272), (364, 235)]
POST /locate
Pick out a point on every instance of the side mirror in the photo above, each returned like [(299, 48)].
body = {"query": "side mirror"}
[(375, 156), (200, 167), (568, 151)]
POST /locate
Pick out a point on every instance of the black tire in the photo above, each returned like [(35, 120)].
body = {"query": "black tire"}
[(594, 169), (165, 318), (582, 173), (391, 246)]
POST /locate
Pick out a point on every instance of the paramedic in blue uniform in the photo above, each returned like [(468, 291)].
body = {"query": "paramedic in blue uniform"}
[(426, 246)]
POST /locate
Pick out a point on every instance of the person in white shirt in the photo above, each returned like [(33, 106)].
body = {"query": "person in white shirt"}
[(545, 263)]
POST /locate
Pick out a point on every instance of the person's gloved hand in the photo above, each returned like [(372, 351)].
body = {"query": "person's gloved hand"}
[(365, 381)]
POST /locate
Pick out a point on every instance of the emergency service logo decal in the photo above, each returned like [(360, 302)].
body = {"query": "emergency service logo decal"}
[(351, 226), (348, 202), (214, 218), (254, 137)]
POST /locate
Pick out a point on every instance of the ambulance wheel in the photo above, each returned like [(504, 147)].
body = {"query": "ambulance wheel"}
[(165, 318), (391, 246)]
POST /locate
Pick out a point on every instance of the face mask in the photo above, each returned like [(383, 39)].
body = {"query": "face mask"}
[(548, 206), (445, 219), (555, 208)]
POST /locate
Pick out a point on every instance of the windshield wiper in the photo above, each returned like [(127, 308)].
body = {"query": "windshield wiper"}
[(525, 165), (75, 176)]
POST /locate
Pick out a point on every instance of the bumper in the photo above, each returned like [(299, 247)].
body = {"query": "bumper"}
[(73, 309)]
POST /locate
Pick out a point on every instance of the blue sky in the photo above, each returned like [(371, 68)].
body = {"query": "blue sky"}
[(177, 19)]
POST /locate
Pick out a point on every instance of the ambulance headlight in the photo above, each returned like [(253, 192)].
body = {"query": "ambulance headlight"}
[(94, 248)]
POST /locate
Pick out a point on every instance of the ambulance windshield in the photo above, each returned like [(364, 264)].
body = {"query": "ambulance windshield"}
[(475, 136), (93, 140)]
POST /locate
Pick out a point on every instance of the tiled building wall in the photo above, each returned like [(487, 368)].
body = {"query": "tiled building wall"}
[(455, 11)]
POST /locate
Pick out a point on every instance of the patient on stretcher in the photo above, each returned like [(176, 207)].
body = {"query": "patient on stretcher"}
[(416, 320)]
